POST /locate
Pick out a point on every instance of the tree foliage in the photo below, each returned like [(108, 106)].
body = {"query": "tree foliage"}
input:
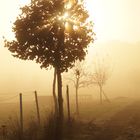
[(51, 33)]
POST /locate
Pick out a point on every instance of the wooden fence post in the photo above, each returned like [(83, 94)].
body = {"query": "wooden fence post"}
[(68, 102), (21, 117), (37, 107)]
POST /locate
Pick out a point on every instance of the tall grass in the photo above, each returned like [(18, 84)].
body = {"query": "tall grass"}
[(47, 130), (32, 130)]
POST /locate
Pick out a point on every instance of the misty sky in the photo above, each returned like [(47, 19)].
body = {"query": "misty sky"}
[(116, 24)]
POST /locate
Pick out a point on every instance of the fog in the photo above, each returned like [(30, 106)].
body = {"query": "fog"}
[(125, 76), (23, 76), (121, 25)]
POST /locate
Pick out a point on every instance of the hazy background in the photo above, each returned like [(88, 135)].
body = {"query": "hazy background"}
[(117, 34)]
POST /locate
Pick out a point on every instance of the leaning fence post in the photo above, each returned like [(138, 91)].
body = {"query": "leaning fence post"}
[(37, 107)]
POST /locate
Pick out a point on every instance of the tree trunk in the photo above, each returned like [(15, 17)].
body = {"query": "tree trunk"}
[(107, 99), (101, 98), (60, 48), (54, 94), (60, 118), (68, 103), (77, 104), (60, 98)]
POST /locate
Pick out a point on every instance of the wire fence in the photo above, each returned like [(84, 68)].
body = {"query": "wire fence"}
[(30, 96), (9, 97)]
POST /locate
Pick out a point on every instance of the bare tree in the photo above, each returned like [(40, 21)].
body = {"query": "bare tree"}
[(102, 72), (80, 77)]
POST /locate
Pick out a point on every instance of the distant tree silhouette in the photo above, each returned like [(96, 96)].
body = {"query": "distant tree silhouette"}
[(102, 72), (53, 33), (80, 77)]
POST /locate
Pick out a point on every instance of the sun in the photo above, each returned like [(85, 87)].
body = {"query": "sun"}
[(8, 17)]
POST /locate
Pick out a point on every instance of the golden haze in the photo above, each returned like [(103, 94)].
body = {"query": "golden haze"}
[(117, 32)]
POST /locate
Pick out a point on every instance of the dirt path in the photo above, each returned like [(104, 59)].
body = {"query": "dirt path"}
[(125, 125)]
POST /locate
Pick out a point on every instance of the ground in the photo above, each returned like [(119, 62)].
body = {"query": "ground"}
[(117, 120)]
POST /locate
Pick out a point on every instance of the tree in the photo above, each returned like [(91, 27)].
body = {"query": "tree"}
[(102, 72), (53, 33), (80, 77)]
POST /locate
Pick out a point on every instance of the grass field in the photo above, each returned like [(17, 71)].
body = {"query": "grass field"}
[(117, 120)]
